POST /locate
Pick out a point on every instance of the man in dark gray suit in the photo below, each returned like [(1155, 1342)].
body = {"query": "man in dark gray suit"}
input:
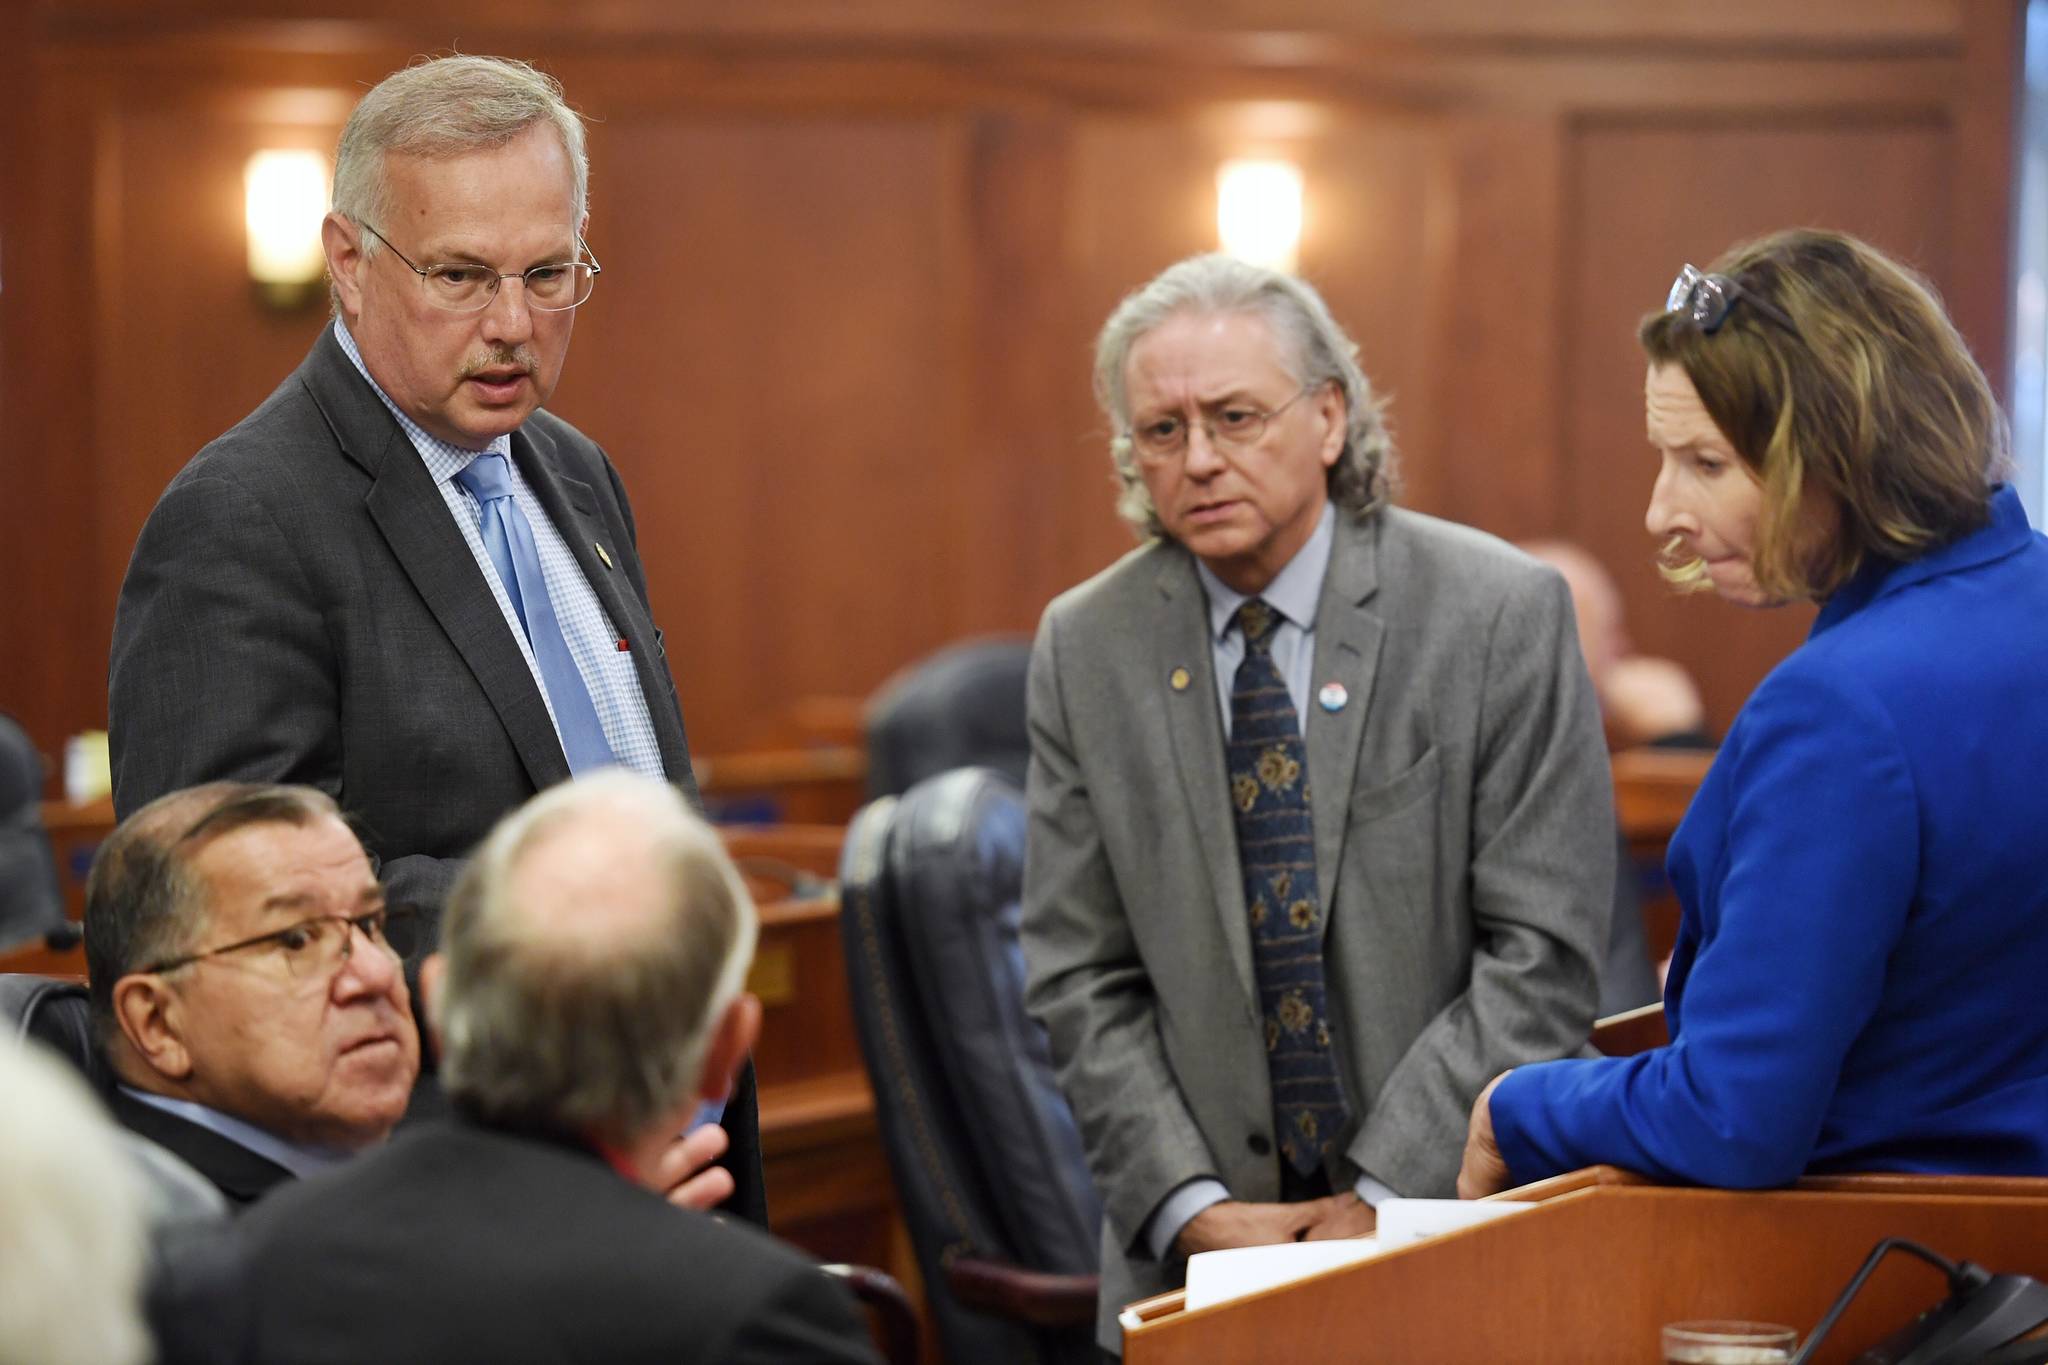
[(400, 580), (1321, 828)]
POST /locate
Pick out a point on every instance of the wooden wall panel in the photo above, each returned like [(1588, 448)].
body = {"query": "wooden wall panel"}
[(775, 365), (855, 264)]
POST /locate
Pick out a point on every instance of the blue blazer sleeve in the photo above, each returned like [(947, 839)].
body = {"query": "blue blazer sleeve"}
[(1802, 849)]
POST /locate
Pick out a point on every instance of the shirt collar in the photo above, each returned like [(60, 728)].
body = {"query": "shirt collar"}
[(443, 461), (2007, 533), (1293, 592), (300, 1160)]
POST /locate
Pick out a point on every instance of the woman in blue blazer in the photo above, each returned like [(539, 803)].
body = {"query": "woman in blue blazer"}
[(1861, 976)]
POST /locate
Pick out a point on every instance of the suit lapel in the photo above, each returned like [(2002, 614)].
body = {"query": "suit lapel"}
[(408, 510), (1181, 641), (1347, 653), (572, 506), (233, 1169)]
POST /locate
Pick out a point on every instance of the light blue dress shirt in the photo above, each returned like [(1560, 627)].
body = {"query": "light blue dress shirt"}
[(1293, 593), (607, 670)]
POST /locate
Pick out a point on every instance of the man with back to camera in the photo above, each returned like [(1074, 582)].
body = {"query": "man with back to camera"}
[(589, 992), (400, 580), (1321, 823)]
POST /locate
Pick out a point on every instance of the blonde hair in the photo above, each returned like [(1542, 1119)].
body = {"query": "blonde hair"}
[(1869, 405)]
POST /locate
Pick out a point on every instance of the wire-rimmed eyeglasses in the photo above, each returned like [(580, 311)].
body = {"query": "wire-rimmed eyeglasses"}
[(316, 947), (1232, 425), (465, 287), (1706, 299)]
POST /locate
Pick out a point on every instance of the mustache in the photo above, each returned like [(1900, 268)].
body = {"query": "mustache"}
[(501, 358)]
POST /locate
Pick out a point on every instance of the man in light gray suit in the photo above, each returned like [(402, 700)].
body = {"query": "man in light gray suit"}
[(1321, 823)]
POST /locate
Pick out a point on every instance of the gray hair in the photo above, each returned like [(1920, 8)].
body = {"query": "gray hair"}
[(72, 1221), (591, 1021), (142, 904), (1315, 351), (442, 108)]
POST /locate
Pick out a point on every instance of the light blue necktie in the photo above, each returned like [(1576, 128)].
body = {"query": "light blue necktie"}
[(508, 537)]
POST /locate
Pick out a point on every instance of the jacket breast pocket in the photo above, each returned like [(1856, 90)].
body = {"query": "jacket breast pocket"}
[(1415, 783)]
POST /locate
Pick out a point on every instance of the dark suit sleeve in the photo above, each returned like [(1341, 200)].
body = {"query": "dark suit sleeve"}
[(223, 667), (810, 1317), (742, 1124)]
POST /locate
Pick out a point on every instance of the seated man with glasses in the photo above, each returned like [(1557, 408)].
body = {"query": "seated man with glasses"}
[(401, 580), (247, 984)]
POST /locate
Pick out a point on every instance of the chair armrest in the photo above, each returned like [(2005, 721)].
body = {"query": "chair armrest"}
[(894, 1324), (1038, 1297)]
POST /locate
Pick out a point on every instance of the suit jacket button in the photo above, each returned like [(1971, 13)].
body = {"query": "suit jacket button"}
[(1259, 1144)]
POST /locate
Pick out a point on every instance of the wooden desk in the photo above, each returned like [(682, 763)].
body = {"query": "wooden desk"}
[(1605, 1260), (822, 785), (1652, 789)]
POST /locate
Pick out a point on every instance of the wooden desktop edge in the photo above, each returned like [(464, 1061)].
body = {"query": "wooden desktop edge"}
[(1584, 1181)]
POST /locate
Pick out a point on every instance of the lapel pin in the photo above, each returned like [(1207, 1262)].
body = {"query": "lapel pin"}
[(1179, 679), (601, 554), (1332, 696)]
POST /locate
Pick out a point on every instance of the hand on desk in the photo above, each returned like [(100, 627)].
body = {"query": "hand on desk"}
[(1233, 1223), (688, 1178), (1484, 1171), (1341, 1215)]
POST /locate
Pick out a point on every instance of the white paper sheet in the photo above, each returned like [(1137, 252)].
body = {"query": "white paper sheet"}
[(1219, 1276), (1402, 1221)]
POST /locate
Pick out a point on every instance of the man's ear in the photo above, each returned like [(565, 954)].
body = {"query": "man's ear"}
[(734, 1038), (152, 1020), (1336, 412), (343, 243), (433, 973)]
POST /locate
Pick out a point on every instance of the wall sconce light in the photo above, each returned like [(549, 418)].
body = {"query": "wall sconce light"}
[(1258, 211), (284, 198)]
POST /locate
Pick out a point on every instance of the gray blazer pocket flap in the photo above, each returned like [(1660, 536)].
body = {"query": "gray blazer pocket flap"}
[(1418, 781)]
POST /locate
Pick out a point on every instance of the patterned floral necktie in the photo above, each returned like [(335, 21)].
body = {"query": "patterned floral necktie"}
[(1276, 848)]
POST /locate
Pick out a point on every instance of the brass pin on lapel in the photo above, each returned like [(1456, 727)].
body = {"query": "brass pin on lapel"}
[(601, 554), (1179, 679)]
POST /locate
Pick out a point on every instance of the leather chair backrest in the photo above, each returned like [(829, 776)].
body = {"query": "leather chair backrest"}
[(984, 1151), (957, 862), (963, 705), (56, 1014)]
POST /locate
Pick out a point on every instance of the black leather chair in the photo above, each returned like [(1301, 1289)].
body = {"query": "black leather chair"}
[(31, 902), (55, 1013), (987, 1161), (963, 705)]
